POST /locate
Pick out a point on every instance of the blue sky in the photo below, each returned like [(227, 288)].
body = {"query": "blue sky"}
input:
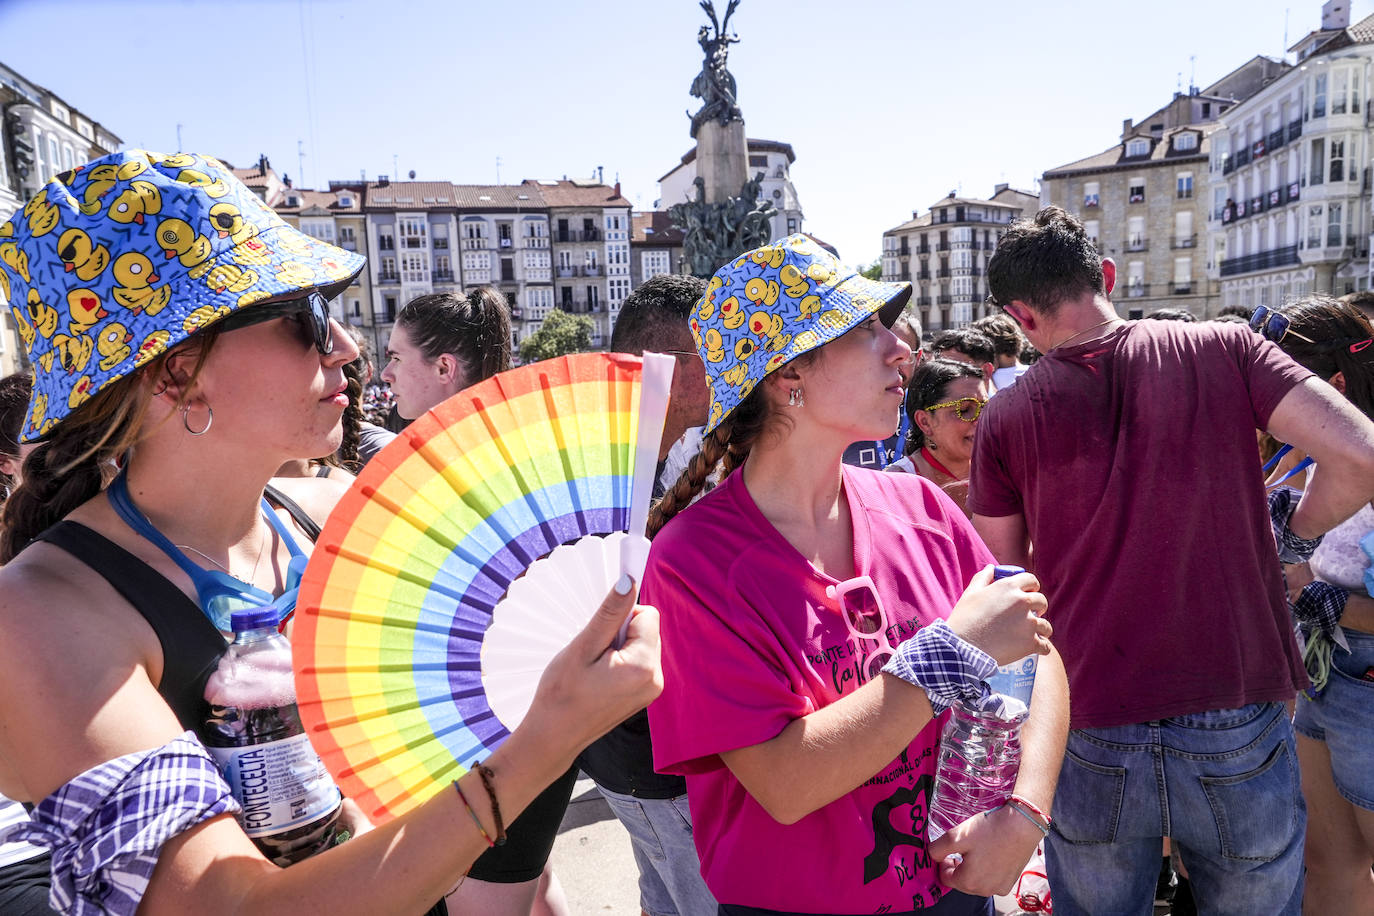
[(889, 105)]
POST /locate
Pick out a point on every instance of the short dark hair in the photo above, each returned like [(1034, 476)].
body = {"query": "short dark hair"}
[(975, 344), (1171, 315), (475, 328), (1044, 262), (657, 309), (1002, 331), (929, 383), (1242, 311), (15, 391)]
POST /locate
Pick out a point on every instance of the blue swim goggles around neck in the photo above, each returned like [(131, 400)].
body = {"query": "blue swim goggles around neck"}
[(219, 593), (1278, 456)]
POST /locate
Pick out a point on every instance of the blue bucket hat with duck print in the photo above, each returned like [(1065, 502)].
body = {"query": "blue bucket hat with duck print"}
[(771, 305), (115, 261)]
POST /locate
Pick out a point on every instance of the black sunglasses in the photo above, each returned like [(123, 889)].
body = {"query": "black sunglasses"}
[(311, 312), (1271, 325)]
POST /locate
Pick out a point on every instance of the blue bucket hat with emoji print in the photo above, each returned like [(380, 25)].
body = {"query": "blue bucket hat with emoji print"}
[(115, 261), (771, 305)]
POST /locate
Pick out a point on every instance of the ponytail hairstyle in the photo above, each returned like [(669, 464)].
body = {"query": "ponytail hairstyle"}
[(474, 328), (83, 451), (1334, 327)]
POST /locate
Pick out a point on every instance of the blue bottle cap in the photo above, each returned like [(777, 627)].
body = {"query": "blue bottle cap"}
[(257, 618), (1002, 572)]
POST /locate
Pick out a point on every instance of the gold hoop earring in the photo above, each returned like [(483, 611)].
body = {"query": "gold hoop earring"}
[(186, 420)]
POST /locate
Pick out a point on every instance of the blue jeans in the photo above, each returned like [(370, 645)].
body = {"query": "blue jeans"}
[(1224, 784), (670, 882)]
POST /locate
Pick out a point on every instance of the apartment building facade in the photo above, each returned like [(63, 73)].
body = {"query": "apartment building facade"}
[(655, 246), (944, 253), (1290, 176), (589, 224), (504, 241)]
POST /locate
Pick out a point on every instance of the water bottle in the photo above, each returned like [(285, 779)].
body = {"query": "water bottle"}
[(980, 746), (254, 732)]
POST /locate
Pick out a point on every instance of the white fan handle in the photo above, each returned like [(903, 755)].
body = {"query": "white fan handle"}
[(656, 381)]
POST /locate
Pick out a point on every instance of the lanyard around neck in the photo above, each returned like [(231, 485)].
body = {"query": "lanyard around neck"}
[(930, 460), (123, 504)]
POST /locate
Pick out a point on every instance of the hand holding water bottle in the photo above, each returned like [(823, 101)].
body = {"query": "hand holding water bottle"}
[(1002, 616)]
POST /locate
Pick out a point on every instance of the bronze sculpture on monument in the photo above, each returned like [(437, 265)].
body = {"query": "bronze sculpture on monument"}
[(722, 221)]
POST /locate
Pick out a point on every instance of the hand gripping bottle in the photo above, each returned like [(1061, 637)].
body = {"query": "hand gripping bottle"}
[(980, 746), (290, 803)]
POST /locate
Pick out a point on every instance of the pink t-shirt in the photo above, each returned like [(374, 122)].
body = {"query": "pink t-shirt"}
[(1135, 463), (751, 642)]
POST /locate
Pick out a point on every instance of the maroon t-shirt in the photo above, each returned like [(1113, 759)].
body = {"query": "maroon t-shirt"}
[(1134, 462)]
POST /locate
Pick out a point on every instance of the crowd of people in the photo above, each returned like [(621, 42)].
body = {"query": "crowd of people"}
[(832, 492)]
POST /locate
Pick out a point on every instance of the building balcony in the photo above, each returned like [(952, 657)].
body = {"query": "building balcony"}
[(413, 241), (1138, 244), (904, 276), (535, 241), (924, 249), (475, 244), (443, 276), (565, 272), (591, 270), (1294, 129), (440, 244), (904, 252), (348, 245), (923, 301), (944, 273), (388, 278), (942, 246), (1241, 157), (386, 243), (1260, 260), (579, 306), (923, 275), (1137, 290), (505, 243), (564, 236), (1183, 242)]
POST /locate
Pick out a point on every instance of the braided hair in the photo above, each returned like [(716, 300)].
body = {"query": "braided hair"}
[(82, 454)]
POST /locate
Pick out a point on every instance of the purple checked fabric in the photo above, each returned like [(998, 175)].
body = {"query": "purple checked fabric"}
[(106, 827)]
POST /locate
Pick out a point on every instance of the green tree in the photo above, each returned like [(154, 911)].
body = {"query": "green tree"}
[(559, 335), (873, 271)]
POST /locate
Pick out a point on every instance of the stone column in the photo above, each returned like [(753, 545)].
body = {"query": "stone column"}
[(722, 159)]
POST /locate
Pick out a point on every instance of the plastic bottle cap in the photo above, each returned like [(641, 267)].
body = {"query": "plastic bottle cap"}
[(257, 618), (1002, 572)]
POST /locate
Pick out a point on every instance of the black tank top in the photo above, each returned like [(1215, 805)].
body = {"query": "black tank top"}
[(191, 646)]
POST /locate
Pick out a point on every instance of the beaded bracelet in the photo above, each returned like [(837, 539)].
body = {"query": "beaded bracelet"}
[(487, 776), (482, 830)]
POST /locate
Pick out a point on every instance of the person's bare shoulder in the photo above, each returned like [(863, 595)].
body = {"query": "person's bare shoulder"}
[(316, 495), (75, 688)]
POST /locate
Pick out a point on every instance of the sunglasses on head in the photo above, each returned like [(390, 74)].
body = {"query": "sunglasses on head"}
[(311, 312), (966, 409), (1274, 326)]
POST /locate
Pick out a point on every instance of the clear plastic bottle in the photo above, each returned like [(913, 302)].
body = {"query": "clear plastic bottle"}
[(980, 747), (290, 803)]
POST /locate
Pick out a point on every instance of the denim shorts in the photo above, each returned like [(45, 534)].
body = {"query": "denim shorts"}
[(1222, 783), (1342, 715)]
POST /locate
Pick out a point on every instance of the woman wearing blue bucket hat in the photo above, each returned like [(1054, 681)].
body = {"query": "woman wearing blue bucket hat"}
[(817, 618), (182, 351)]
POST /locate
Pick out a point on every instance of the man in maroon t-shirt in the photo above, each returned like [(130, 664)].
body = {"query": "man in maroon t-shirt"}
[(1127, 457)]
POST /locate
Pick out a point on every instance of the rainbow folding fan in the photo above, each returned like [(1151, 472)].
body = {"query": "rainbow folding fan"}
[(441, 585)]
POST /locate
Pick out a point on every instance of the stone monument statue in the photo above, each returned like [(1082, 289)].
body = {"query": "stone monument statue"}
[(714, 85), (726, 218)]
